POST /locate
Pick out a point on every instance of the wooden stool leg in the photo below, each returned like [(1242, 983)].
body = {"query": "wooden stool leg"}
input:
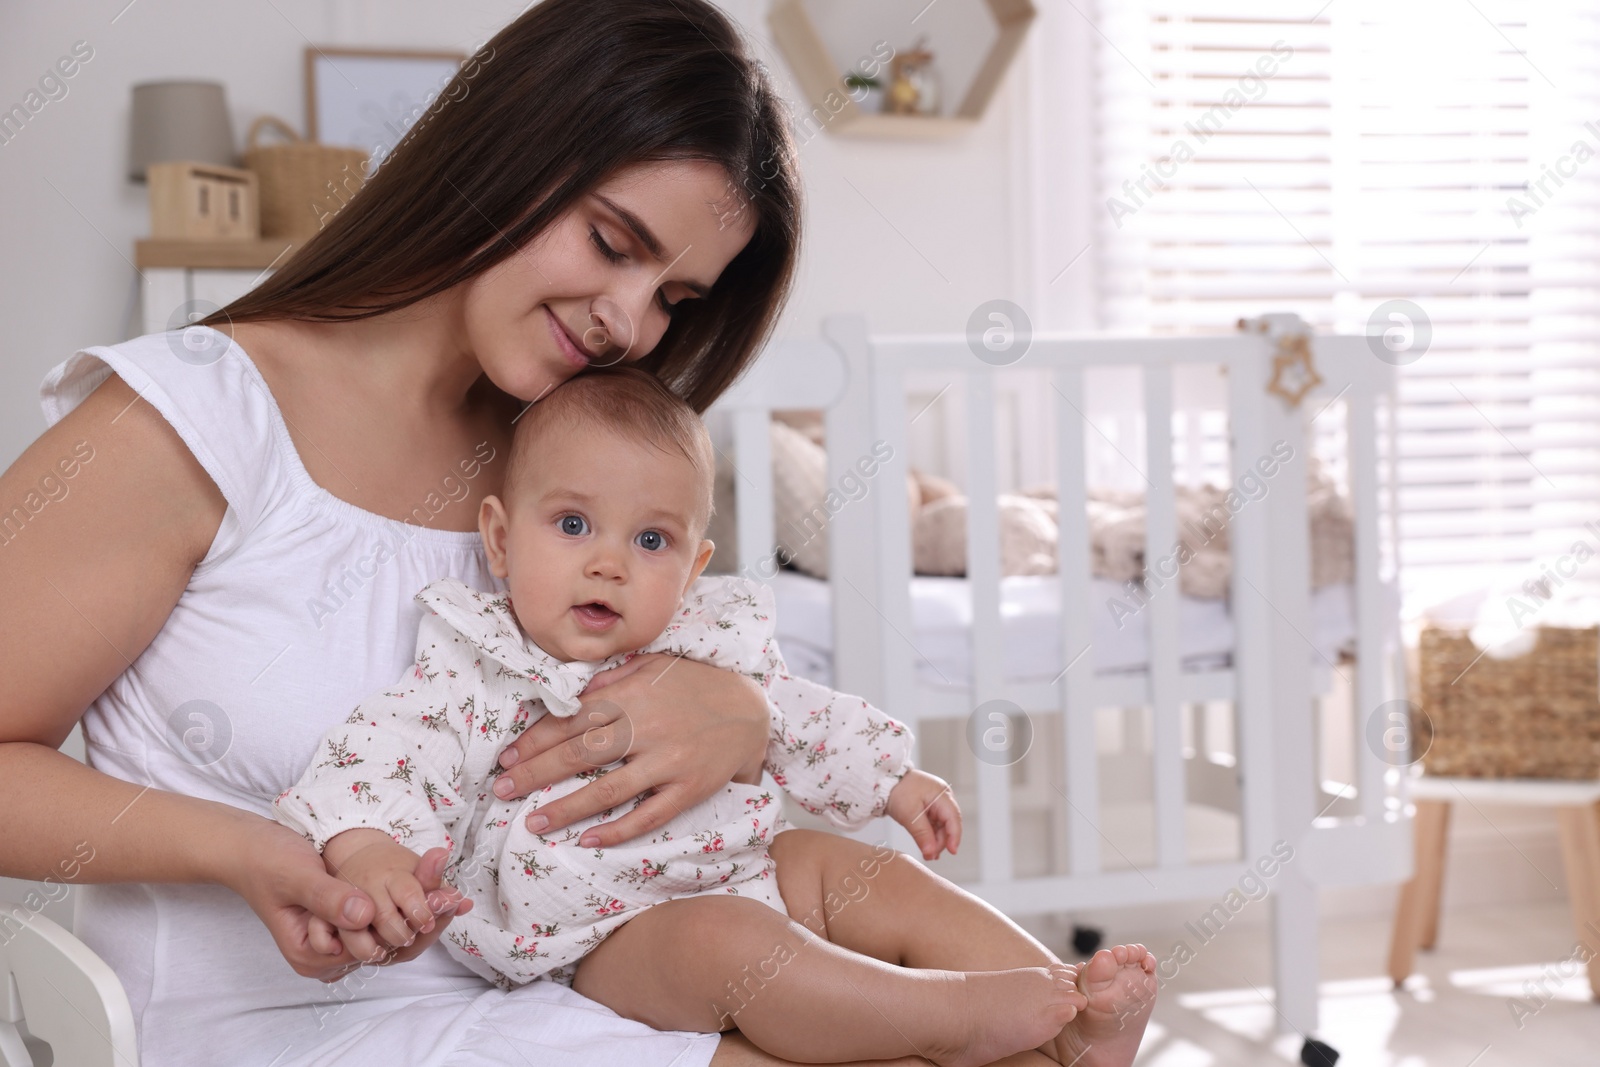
[(1580, 849), (1410, 917), (1432, 834)]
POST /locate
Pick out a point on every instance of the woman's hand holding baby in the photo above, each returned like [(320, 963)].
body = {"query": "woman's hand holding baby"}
[(924, 805), (306, 909), (686, 729), (393, 876)]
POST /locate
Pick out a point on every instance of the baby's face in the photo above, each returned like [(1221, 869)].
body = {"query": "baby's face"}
[(599, 545)]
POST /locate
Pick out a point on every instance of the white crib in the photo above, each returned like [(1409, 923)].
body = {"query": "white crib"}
[(1348, 828)]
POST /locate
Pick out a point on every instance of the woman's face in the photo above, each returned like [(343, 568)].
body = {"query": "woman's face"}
[(597, 287)]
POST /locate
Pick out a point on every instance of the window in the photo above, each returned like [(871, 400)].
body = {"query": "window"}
[(1268, 156)]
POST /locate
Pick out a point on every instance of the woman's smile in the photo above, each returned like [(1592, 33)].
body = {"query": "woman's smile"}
[(564, 341)]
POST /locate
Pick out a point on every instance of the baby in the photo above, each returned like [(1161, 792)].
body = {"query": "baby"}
[(600, 541)]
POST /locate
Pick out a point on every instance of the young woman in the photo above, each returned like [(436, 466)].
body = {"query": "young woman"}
[(239, 514)]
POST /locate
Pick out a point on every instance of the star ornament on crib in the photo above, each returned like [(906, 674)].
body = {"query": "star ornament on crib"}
[(1294, 371)]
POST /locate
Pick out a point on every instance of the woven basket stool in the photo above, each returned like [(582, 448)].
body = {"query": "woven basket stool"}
[(1519, 731)]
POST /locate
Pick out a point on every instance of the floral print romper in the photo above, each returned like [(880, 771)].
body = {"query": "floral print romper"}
[(417, 761)]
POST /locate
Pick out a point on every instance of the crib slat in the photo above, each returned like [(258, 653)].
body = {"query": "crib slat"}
[(1296, 717), (1163, 587), (1371, 634), (853, 560), (1250, 547), (988, 646), (1080, 763), (752, 462), (890, 601)]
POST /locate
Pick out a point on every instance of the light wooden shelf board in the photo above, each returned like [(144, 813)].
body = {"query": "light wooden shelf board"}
[(909, 127), (255, 254)]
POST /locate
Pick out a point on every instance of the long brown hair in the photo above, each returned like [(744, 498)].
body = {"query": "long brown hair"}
[(555, 103)]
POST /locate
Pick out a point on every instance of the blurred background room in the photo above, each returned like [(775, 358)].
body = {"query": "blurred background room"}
[(1417, 179)]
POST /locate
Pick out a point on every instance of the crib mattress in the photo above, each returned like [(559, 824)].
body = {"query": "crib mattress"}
[(1030, 614)]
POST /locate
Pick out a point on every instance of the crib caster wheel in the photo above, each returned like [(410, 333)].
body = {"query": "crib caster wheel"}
[(1315, 1053), (1086, 940)]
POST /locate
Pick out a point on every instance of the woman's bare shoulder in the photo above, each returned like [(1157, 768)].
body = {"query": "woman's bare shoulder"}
[(102, 521)]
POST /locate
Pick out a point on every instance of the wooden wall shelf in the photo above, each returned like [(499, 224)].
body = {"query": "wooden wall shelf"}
[(820, 77)]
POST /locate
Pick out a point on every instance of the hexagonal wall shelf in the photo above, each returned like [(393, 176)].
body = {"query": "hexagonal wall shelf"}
[(973, 43)]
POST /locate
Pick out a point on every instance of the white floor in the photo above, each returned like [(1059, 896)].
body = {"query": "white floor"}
[(1457, 1011)]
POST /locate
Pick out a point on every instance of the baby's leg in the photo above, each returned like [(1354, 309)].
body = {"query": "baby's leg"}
[(710, 962), (881, 903)]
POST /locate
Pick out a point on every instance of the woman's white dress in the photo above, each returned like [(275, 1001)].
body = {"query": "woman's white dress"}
[(302, 608)]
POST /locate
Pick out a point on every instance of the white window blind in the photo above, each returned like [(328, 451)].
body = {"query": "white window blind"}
[(1267, 156)]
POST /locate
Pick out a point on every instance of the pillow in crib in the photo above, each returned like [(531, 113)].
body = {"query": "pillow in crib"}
[(1027, 537), (937, 510), (800, 492), (723, 530)]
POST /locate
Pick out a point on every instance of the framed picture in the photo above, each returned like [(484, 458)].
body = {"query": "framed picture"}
[(368, 98)]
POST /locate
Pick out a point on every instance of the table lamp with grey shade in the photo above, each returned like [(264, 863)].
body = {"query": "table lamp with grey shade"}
[(179, 120)]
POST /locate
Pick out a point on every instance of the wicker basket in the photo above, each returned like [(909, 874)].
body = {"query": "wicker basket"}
[(1533, 716), (302, 182)]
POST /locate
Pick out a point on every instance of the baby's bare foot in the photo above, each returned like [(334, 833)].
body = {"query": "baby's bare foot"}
[(1120, 984), (1005, 1012)]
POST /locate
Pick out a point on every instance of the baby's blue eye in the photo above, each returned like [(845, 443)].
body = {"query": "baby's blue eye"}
[(574, 525), (651, 540)]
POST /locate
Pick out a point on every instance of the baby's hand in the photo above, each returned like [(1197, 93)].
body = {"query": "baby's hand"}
[(385, 870), (923, 804)]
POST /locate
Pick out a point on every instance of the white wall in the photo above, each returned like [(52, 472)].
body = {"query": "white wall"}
[(915, 234)]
